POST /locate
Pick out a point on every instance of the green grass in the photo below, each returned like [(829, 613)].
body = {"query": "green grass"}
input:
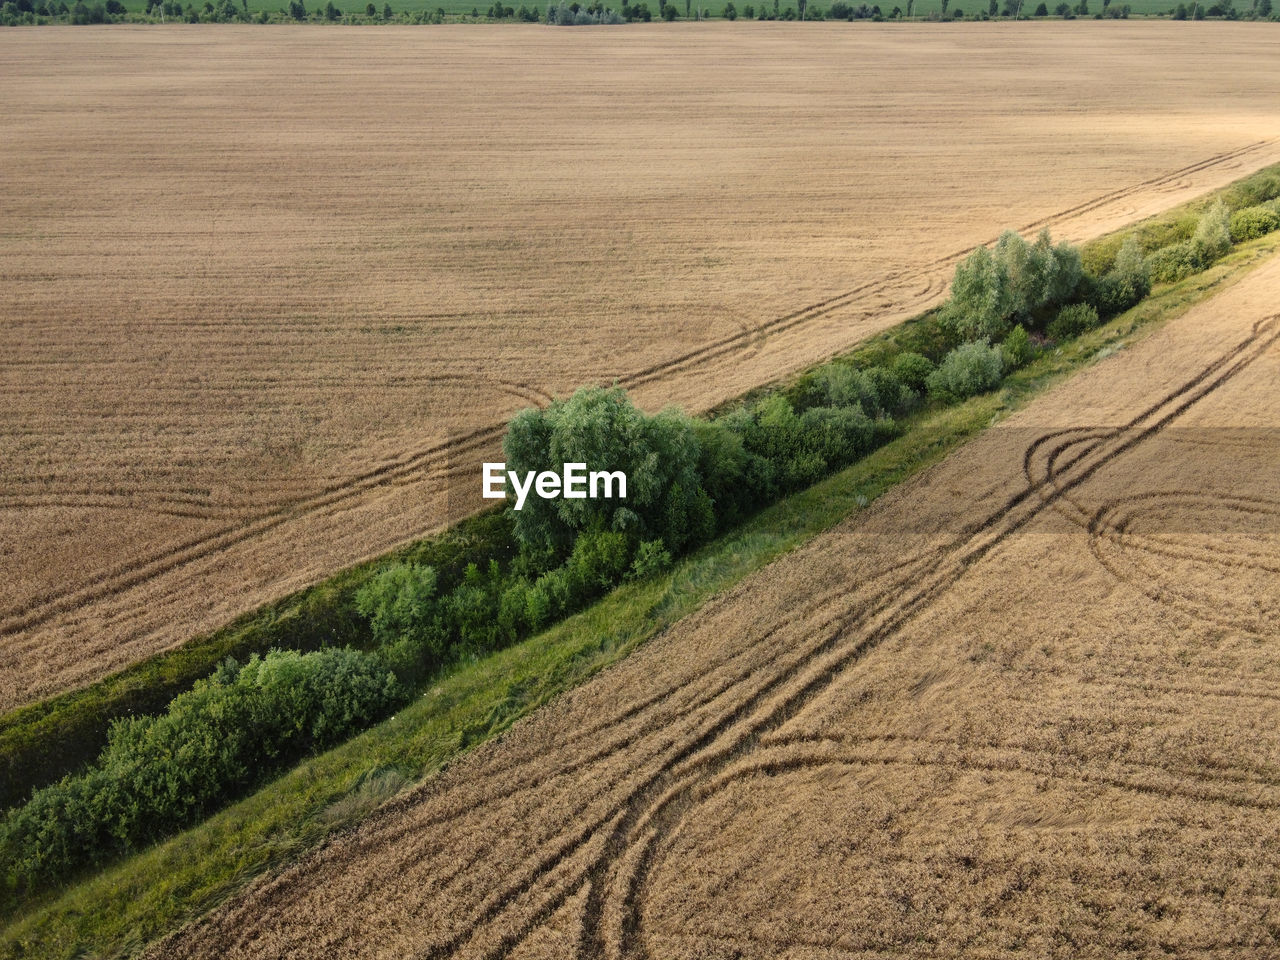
[(117, 911)]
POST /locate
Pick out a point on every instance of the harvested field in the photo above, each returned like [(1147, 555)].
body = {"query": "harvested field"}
[(1023, 705), (270, 293)]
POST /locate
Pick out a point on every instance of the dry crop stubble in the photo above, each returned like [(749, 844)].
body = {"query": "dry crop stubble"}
[(269, 295), (975, 720)]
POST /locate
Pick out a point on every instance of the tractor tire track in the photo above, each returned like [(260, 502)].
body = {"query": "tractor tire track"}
[(846, 640)]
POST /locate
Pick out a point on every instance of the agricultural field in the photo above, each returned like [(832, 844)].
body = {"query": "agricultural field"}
[(1022, 704), (270, 294)]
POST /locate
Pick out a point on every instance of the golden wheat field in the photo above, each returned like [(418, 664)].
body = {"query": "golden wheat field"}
[(269, 294), (1023, 705)]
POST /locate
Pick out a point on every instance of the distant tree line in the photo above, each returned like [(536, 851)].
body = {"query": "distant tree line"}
[(563, 13)]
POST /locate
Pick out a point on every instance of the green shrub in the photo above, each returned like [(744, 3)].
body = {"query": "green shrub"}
[(598, 561), (836, 436), (158, 774), (652, 557), (1164, 232), (1100, 255), (969, 369), (538, 606), (887, 395), (877, 391), (1127, 282), (513, 611), (1073, 320), (471, 609), (400, 603), (724, 465), (1016, 350), (1253, 222), (775, 432), (1172, 263), (912, 370), (1212, 238), (981, 298), (1253, 191), (793, 449)]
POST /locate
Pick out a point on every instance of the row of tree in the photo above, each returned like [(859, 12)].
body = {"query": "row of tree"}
[(21, 12), (689, 480)]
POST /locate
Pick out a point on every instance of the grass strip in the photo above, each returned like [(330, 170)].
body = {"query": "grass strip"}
[(118, 911)]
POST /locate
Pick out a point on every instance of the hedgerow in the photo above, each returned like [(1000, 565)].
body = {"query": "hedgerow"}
[(688, 480), (158, 774)]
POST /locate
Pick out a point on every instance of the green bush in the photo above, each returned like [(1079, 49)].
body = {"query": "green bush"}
[(969, 369), (399, 602), (652, 557), (792, 450), (981, 298), (599, 560), (1073, 320), (158, 774), (725, 465), (1212, 238), (912, 370), (775, 432), (1129, 280), (877, 391), (1016, 350), (1253, 191), (1172, 263), (836, 436), (1125, 284), (1253, 222), (471, 609)]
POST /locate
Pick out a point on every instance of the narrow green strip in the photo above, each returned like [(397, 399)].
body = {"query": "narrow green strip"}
[(122, 909), (41, 742)]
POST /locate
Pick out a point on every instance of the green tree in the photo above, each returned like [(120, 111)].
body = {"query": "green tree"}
[(601, 428), (1213, 233)]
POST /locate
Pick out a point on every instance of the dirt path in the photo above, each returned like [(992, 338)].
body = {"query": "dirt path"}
[(1024, 705), (270, 294)]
